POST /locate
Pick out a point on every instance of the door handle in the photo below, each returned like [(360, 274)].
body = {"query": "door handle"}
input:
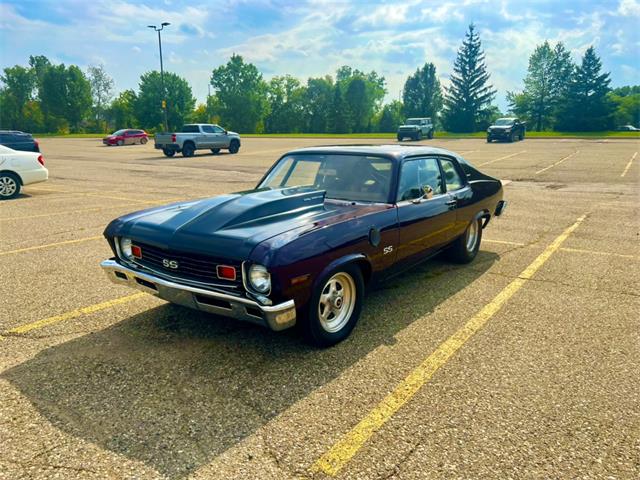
[(452, 202)]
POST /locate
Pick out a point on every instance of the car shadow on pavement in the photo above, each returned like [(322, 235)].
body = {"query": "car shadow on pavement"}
[(174, 388)]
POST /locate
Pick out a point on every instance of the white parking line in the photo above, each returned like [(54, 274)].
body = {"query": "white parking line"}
[(502, 158), (558, 162), (626, 169)]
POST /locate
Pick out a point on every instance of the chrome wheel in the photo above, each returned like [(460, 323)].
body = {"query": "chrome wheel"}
[(472, 235), (337, 301), (8, 186)]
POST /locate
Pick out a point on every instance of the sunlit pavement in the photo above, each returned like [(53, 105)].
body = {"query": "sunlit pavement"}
[(99, 382)]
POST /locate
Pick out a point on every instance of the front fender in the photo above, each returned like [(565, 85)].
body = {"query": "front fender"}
[(339, 262)]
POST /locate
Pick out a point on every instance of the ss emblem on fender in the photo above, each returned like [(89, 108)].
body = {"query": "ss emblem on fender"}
[(173, 264), (388, 249)]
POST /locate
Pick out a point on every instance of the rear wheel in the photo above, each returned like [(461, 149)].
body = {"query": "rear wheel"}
[(335, 306), (234, 146), (9, 185), (143, 140), (168, 152), (465, 248), (215, 151), (188, 149)]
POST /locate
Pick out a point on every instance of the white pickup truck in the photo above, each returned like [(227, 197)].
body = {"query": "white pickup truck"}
[(197, 136)]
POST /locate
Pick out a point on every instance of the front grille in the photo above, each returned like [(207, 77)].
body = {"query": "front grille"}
[(190, 266)]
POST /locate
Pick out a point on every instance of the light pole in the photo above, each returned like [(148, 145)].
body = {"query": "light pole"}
[(164, 92)]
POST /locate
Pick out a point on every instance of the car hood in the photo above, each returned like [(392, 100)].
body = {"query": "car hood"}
[(230, 226)]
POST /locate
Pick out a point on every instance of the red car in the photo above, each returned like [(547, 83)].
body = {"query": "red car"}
[(126, 137)]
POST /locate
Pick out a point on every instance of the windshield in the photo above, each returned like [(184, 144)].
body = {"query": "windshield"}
[(119, 132), (504, 121), (414, 121), (343, 177)]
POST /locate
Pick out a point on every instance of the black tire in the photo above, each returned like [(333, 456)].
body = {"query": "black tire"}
[(312, 326), (143, 141), (512, 138), (10, 185), (188, 149), (430, 136), (234, 146), (168, 152), (399, 137), (120, 143), (521, 136), (461, 251), (488, 139), (418, 136), (215, 151)]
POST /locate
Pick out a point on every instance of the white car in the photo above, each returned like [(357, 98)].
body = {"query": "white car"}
[(19, 168)]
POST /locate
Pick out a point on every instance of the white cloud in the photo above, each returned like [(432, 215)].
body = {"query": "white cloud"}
[(629, 8)]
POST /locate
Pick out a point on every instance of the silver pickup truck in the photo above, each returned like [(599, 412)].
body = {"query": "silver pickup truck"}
[(197, 136)]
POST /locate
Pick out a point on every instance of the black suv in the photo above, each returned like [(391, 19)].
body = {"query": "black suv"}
[(19, 141), (510, 129)]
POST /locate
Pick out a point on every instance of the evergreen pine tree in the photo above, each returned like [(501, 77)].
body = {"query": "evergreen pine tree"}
[(586, 105), (469, 95)]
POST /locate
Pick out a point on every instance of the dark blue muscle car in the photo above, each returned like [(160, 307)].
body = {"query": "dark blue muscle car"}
[(322, 226)]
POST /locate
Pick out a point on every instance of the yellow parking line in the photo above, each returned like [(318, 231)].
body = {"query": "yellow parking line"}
[(48, 245), (626, 169), (558, 162), (502, 158), (65, 212), (505, 242), (73, 314), (596, 252), (341, 453)]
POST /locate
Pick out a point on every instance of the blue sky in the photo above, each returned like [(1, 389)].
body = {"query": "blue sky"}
[(315, 37)]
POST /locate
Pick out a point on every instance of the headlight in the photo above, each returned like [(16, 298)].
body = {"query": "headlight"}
[(125, 248), (259, 278)]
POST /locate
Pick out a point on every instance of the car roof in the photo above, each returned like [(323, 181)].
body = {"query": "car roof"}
[(397, 152)]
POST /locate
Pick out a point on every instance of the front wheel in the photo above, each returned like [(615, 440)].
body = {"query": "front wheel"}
[(9, 186), (234, 146), (168, 152), (335, 306), (430, 134), (488, 139), (419, 136), (521, 136), (465, 248), (120, 143), (399, 137), (512, 138), (143, 141)]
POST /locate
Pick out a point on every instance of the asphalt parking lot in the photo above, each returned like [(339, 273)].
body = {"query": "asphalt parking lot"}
[(523, 364)]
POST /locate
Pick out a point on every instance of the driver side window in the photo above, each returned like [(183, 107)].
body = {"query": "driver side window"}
[(418, 178)]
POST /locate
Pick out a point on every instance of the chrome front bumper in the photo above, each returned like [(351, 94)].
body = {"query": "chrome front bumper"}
[(275, 317)]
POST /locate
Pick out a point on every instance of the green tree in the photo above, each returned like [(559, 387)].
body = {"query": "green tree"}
[(39, 65), (101, 91), (65, 97), (148, 104), (17, 91), (340, 116), (627, 108), (286, 105), (121, 113), (470, 93), (561, 75), (586, 105), (318, 102), (422, 94), (242, 94), (363, 94), (390, 117)]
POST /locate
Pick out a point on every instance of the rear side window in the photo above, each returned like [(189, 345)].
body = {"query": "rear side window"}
[(190, 129), (451, 176)]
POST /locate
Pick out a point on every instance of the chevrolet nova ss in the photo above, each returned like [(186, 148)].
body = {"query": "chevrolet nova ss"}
[(323, 225)]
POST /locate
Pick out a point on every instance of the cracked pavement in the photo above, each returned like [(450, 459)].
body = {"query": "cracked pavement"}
[(147, 390)]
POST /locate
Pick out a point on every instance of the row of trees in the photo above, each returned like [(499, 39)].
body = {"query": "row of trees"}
[(557, 94)]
